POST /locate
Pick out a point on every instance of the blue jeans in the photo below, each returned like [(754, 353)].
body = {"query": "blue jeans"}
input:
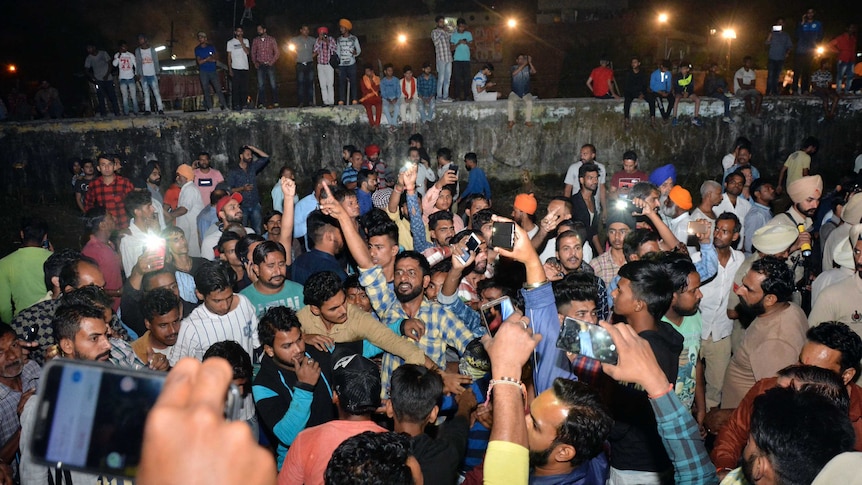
[(391, 111), (305, 83), (251, 217), (211, 78), (265, 72), (775, 67), (345, 73), (845, 71), (426, 110), (726, 100), (444, 76), (129, 90), (151, 83)]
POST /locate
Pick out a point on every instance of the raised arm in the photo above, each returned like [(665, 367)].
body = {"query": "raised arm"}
[(355, 244), (288, 189)]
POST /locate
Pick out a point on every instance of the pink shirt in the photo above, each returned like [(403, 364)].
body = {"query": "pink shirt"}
[(206, 182), (109, 262), (310, 452)]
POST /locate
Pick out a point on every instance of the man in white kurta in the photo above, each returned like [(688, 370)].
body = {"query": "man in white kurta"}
[(189, 206)]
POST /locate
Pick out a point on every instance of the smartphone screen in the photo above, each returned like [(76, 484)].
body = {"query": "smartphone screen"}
[(472, 244), (503, 235), (584, 338), (695, 227), (91, 416), (495, 312)]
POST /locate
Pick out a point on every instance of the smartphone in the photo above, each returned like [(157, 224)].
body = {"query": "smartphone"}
[(776, 28), (91, 416), (495, 312), (625, 205), (503, 235), (31, 333), (584, 338), (472, 244), (697, 227), (157, 246), (453, 168), (408, 165)]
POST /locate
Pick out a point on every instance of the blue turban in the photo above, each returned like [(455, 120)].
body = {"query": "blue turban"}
[(659, 175)]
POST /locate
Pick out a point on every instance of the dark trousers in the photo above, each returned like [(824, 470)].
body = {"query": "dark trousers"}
[(239, 89), (802, 71), (665, 113), (346, 73), (106, 88), (305, 83), (774, 70), (648, 97), (461, 80)]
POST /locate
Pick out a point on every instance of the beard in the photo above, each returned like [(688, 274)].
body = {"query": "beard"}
[(668, 211), (747, 467), (747, 313), (686, 312), (809, 213), (541, 458), (407, 295)]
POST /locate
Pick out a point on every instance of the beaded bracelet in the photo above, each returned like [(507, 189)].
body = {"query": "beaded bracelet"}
[(509, 381)]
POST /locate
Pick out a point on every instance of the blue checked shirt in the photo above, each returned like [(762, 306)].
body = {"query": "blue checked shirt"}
[(682, 441), (442, 328), (426, 88)]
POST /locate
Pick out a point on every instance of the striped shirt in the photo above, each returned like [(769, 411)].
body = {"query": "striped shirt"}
[(324, 48), (9, 423), (442, 48)]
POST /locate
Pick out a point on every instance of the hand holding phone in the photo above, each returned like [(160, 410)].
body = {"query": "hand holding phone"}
[(495, 312), (584, 338), (471, 245), (503, 235), (698, 227)]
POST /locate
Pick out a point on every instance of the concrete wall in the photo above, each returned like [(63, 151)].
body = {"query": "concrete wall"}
[(311, 138)]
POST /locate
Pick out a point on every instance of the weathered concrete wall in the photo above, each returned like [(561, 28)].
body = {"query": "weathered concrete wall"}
[(310, 138)]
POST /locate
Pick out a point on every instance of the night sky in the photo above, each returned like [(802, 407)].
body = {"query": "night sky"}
[(46, 39)]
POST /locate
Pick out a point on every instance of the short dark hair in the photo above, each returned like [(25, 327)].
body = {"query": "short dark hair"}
[(204, 154), (388, 65), (349, 148), (276, 319), (236, 356), (341, 194), (67, 320), (730, 216), (587, 168), (55, 264), (444, 153), (417, 136), (480, 218), (370, 458), (352, 281), (630, 155), (159, 302), (678, 267), (317, 224), (225, 237), (637, 238), (415, 391), (822, 381), (377, 223), (135, 200), (811, 142), (148, 277), (735, 173), (244, 243), (69, 274), (268, 215), (262, 250), (439, 18), (318, 175), (757, 184), (417, 256), (567, 234), (363, 176), (650, 283), (407, 68), (467, 202), (34, 229), (438, 216), (320, 287), (214, 276), (472, 157), (488, 66), (838, 336), (577, 286), (799, 448), (778, 279), (89, 295), (461, 21), (587, 422)]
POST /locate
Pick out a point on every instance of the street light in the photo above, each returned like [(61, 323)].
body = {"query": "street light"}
[(12, 68), (663, 19), (729, 34), (820, 51), (512, 23), (160, 48), (402, 39)]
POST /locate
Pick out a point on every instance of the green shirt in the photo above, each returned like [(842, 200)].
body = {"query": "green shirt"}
[(289, 296), (686, 377), (22, 280)]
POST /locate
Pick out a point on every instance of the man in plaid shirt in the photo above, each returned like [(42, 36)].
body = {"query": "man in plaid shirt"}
[(323, 50), (443, 51), (108, 191), (264, 54)]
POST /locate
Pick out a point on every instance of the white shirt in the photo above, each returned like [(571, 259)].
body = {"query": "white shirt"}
[(679, 226), (190, 198), (423, 176), (238, 57), (741, 210), (746, 76), (126, 63), (148, 68), (713, 305), (728, 161), (133, 245), (210, 240)]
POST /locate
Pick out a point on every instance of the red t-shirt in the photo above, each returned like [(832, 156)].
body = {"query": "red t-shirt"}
[(601, 75), (624, 181)]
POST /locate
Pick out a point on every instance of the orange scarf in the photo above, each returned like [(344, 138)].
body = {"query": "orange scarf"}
[(408, 96)]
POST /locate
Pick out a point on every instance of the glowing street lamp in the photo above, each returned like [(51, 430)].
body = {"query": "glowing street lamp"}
[(729, 34), (12, 68), (291, 47), (512, 23), (402, 39), (160, 48), (663, 18), (820, 51)]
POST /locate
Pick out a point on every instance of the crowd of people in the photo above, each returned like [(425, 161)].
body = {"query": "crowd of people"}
[(369, 305)]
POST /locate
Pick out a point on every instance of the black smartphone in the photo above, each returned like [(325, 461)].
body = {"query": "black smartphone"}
[(584, 338), (31, 333), (495, 312), (625, 205), (453, 168), (90, 416), (503, 235)]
